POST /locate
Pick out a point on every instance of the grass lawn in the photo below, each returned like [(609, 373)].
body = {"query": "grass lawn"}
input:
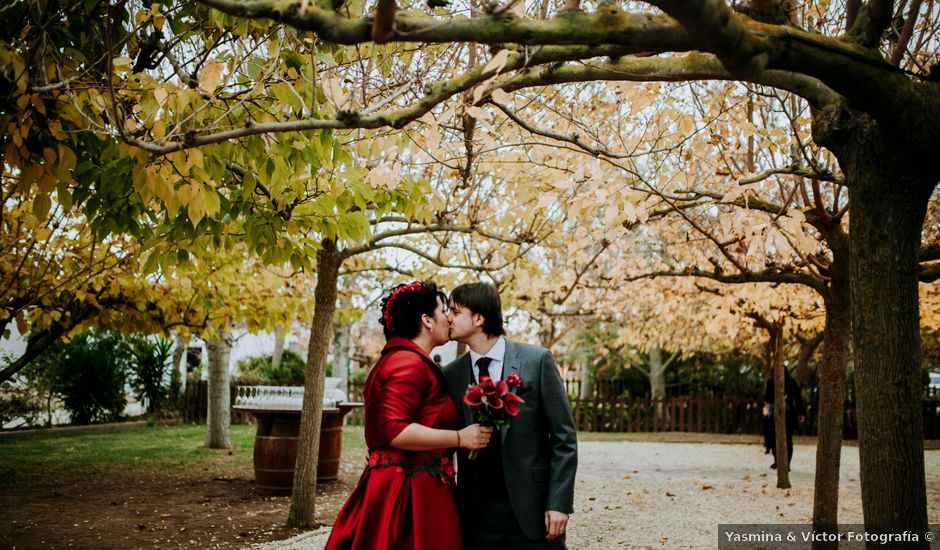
[(176, 449)]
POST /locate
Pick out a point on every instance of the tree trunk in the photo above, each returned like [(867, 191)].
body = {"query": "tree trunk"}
[(657, 373), (780, 409), (887, 211), (178, 351), (658, 380), (279, 334), (832, 395), (807, 349), (303, 500), (587, 381), (218, 417), (890, 184)]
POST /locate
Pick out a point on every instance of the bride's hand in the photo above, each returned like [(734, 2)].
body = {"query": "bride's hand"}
[(475, 436)]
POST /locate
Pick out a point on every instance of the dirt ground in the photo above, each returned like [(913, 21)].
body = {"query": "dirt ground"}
[(675, 491), (154, 510)]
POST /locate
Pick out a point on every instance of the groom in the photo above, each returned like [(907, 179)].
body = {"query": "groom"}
[(519, 490)]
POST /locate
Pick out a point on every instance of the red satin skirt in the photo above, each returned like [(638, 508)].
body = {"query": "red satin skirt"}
[(404, 500)]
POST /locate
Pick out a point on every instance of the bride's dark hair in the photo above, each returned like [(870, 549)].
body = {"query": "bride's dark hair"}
[(405, 304)]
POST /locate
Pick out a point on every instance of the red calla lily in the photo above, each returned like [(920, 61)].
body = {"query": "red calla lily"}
[(511, 403), (491, 403), (474, 396), (513, 380)]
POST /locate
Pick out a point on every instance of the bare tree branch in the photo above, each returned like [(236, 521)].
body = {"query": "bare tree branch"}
[(768, 276), (906, 33), (802, 171)]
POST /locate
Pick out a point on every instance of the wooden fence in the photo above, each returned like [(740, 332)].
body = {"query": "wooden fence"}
[(355, 417), (672, 414), (195, 406), (609, 410)]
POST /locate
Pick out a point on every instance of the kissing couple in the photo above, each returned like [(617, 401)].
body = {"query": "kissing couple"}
[(512, 485)]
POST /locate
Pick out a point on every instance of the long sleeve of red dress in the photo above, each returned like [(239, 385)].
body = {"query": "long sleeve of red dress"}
[(395, 396)]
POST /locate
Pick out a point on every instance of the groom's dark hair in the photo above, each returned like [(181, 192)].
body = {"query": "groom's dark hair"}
[(482, 298)]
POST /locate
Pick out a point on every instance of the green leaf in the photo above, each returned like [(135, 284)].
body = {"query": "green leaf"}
[(151, 264), (41, 206), (63, 195), (212, 202)]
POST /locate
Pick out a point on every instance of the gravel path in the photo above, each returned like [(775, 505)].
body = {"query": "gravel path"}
[(673, 495)]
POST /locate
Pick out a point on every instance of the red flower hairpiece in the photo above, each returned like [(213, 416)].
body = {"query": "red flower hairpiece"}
[(387, 314)]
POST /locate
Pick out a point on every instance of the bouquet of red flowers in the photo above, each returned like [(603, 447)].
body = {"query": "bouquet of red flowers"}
[(491, 403)]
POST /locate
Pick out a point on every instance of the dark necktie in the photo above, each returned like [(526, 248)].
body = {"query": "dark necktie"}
[(483, 364)]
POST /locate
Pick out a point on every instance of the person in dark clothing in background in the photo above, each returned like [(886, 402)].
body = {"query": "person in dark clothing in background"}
[(767, 425), (796, 413)]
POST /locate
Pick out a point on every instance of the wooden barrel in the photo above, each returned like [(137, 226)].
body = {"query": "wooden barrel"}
[(276, 451), (276, 447), (331, 441)]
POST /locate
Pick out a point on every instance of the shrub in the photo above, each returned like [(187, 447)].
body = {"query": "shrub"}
[(359, 376), (150, 365), (175, 395), (89, 375), (255, 370)]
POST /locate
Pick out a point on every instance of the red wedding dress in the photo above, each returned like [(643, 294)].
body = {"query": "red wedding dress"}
[(405, 499)]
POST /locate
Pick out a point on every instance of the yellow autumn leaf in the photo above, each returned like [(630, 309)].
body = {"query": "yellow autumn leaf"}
[(55, 129), (194, 158), (38, 103), (122, 63), (500, 96), (160, 95), (197, 203), (498, 62), (210, 77), (184, 193)]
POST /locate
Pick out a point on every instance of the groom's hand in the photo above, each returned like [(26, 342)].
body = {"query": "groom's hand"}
[(555, 524)]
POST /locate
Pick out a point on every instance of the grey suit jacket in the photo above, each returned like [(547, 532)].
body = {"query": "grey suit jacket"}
[(540, 449)]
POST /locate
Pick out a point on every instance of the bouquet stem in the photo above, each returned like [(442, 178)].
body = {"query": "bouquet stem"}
[(473, 454)]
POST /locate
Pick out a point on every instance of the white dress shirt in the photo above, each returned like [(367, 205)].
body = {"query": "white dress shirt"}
[(497, 353)]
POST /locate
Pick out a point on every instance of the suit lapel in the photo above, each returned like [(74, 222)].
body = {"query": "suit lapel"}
[(510, 366)]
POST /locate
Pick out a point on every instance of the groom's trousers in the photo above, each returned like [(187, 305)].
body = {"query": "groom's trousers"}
[(496, 527)]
